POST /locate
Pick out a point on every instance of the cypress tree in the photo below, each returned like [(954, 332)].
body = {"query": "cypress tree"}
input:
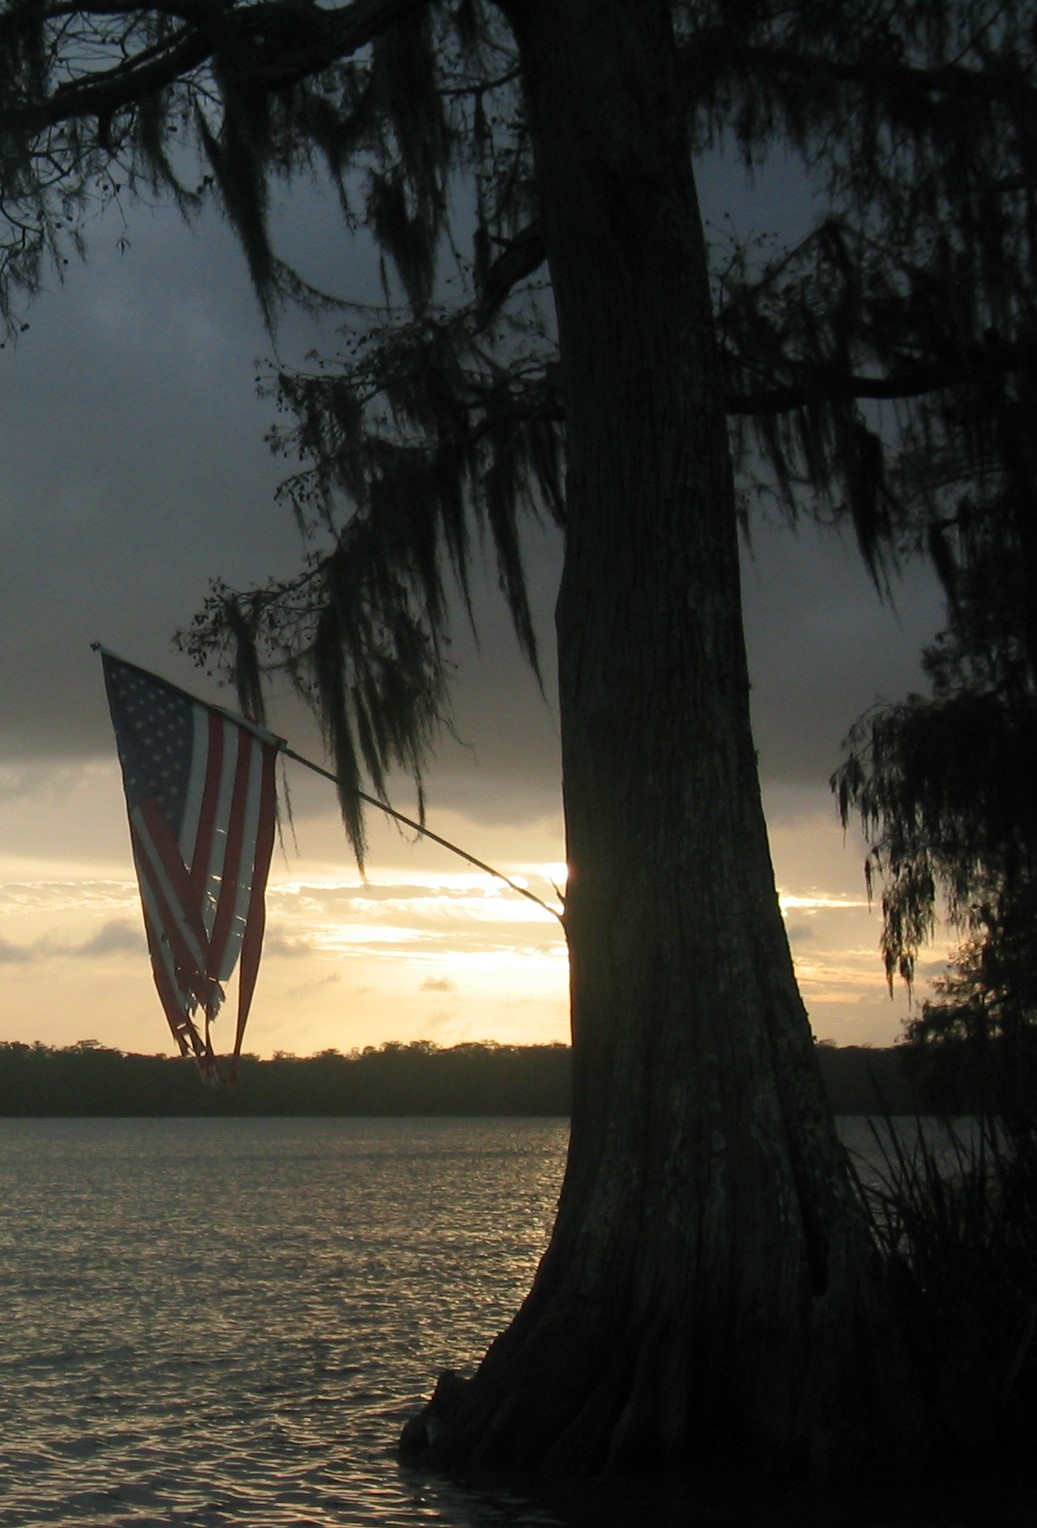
[(710, 1289)]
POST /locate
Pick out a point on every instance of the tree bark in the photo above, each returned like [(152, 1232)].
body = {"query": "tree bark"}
[(709, 1290)]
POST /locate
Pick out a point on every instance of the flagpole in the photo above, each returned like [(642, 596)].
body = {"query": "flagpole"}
[(282, 746), (417, 827)]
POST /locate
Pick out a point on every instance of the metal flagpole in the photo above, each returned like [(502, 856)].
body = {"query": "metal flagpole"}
[(417, 827), (407, 822)]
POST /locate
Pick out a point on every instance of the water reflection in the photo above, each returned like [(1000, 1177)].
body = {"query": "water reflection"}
[(228, 1321), (220, 1321)]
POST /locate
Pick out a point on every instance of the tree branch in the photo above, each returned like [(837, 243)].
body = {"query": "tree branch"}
[(913, 382), (286, 39), (724, 46)]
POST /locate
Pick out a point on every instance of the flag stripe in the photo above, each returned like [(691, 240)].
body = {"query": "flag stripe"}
[(246, 861), (211, 764), (220, 785), (170, 873), (191, 821), (255, 923), (179, 928), (234, 841), (163, 966)]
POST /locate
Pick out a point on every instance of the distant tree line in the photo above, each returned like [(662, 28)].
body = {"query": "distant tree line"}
[(418, 1078)]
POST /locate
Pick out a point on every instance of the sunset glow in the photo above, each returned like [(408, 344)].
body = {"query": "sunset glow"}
[(414, 950), (425, 947)]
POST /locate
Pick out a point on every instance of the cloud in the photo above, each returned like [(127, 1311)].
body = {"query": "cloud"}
[(438, 984), (308, 989), (343, 920), (113, 938), (820, 901), (360, 895), (170, 331), (15, 954), (58, 896), (932, 968), (285, 946), (152, 513)]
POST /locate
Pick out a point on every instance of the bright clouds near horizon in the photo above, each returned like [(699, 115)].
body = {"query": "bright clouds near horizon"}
[(408, 953), (347, 962)]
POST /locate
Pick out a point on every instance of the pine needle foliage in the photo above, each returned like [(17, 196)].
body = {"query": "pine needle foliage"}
[(880, 370)]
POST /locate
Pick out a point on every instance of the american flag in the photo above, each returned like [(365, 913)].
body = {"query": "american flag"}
[(201, 797)]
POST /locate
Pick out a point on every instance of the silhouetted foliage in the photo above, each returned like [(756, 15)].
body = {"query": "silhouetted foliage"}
[(420, 1078), (944, 784), (954, 1213), (977, 1037)]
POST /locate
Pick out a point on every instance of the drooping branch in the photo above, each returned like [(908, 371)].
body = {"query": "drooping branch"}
[(880, 65), (916, 381), (412, 447), (257, 90), (943, 785)]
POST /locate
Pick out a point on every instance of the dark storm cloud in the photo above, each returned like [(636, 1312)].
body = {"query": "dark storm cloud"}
[(823, 647), (135, 469)]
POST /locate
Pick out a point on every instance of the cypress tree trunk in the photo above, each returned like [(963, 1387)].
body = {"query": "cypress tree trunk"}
[(709, 1288)]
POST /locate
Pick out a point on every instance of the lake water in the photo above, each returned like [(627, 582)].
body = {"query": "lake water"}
[(227, 1321)]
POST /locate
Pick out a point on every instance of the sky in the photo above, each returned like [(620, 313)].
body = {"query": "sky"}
[(135, 470)]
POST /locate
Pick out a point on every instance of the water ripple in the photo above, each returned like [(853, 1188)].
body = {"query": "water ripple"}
[(226, 1322)]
